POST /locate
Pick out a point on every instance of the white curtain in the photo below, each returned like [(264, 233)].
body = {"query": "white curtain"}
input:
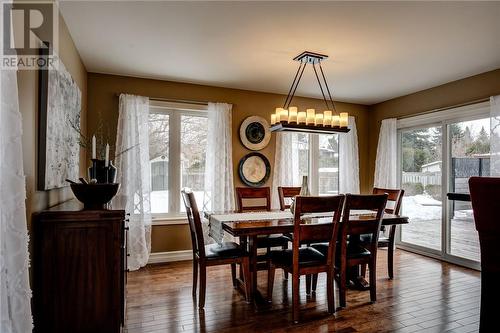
[(349, 160), (286, 164), (15, 292), (133, 173), (495, 136), (219, 187), (386, 161)]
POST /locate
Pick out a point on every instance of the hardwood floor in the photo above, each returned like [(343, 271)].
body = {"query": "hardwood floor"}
[(425, 296)]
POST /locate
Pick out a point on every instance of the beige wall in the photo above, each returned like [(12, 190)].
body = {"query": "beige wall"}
[(28, 105), (103, 104), (450, 94)]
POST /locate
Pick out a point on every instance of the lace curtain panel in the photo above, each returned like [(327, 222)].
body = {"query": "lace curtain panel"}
[(15, 292), (133, 173), (387, 150), (495, 136), (286, 164), (349, 160), (219, 187)]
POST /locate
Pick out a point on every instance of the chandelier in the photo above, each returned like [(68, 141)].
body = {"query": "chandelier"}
[(289, 118)]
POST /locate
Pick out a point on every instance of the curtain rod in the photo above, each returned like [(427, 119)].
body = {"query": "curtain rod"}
[(445, 108), (173, 100)]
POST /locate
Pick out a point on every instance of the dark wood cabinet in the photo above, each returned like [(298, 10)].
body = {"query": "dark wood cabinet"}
[(79, 269)]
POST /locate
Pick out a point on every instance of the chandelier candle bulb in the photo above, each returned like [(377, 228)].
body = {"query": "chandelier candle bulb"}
[(336, 121), (273, 119), (344, 116), (310, 116), (284, 116), (327, 118), (301, 117), (292, 114), (319, 119)]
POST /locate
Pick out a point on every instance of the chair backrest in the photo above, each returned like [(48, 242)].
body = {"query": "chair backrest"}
[(484, 194), (305, 231), (285, 193), (243, 193), (368, 223), (394, 195), (193, 215)]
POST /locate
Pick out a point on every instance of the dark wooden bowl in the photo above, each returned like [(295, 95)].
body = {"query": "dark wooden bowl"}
[(94, 196)]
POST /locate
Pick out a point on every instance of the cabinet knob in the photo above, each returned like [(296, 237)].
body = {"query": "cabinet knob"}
[(127, 220), (128, 254), (126, 228), (128, 214)]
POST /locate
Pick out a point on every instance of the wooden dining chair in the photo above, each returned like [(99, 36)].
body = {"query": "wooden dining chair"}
[(351, 252), (262, 193), (227, 253), (484, 194), (263, 242), (396, 197), (287, 193), (307, 260)]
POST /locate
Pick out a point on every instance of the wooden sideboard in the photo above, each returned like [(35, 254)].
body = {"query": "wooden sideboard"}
[(79, 269)]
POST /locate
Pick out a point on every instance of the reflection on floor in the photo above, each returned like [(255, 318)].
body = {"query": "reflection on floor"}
[(425, 296)]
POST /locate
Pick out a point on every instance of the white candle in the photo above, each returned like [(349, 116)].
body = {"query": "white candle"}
[(93, 148), (301, 117), (319, 119), (335, 121), (106, 161), (292, 114), (284, 115), (327, 119), (344, 116), (278, 114), (310, 117), (273, 119)]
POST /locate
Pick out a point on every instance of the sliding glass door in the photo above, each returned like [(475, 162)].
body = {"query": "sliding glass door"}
[(421, 178), (437, 156)]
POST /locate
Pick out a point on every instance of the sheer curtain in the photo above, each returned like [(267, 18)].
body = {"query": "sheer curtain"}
[(219, 187), (387, 150), (133, 173), (349, 160), (286, 164), (15, 292), (495, 136)]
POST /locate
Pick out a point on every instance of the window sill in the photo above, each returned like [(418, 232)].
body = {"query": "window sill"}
[(174, 220)]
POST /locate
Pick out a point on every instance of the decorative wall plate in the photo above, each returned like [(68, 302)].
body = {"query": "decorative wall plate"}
[(255, 133), (254, 169)]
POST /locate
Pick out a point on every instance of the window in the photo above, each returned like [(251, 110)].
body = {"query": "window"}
[(318, 156), (177, 144)]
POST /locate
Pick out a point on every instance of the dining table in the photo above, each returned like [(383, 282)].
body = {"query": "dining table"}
[(248, 226)]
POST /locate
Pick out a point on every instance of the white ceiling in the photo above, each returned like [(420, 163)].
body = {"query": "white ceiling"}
[(378, 50)]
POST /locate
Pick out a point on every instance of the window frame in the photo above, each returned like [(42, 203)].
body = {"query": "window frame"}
[(314, 155), (175, 111)]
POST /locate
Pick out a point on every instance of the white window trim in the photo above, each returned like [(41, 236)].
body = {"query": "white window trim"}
[(175, 110), (313, 172)]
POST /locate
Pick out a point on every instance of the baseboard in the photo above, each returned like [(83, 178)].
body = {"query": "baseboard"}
[(159, 257)]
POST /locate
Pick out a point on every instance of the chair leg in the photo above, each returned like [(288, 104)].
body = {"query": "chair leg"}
[(195, 276), (233, 275), (203, 285), (343, 286), (308, 284), (314, 282), (330, 290), (373, 280), (390, 252), (363, 270), (295, 297), (245, 266), (271, 269), (285, 273)]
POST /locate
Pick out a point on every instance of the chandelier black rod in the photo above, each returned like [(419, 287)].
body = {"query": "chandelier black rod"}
[(320, 86), (291, 87), (327, 88), (296, 86)]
